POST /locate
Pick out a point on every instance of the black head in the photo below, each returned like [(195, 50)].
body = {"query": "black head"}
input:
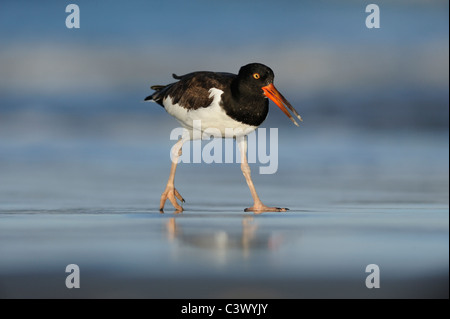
[(256, 80), (254, 76)]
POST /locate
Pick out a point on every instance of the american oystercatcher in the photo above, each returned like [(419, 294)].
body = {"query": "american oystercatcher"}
[(223, 101)]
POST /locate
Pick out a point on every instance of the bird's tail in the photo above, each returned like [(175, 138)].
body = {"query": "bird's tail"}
[(160, 90), (156, 96)]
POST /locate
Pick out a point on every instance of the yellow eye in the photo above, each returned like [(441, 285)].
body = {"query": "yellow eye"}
[(256, 76)]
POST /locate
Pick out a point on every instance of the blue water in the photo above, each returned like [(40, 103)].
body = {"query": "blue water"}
[(355, 198), (218, 23), (326, 61), (83, 160)]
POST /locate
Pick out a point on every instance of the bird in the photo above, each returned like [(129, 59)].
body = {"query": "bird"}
[(222, 101)]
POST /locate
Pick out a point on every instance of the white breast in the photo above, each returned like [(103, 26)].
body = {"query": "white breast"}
[(211, 117)]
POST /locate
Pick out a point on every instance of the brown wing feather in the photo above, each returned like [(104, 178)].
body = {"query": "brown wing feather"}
[(192, 90)]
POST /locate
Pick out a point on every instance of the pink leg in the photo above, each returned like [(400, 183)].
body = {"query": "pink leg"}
[(258, 206), (170, 192)]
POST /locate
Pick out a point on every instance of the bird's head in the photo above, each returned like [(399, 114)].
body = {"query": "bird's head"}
[(258, 78)]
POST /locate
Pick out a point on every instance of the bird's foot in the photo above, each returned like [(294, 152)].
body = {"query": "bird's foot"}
[(259, 208), (172, 194)]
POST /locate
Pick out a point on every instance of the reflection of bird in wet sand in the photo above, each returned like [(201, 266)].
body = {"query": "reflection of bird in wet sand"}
[(222, 101), (221, 241)]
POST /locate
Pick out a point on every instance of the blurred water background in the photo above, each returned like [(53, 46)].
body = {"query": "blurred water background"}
[(77, 140)]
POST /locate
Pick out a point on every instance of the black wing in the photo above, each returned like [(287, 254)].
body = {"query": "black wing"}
[(192, 90)]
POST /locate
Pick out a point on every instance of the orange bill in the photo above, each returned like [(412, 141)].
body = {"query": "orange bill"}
[(272, 93)]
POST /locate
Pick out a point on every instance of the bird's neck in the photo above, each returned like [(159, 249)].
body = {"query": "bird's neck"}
[(246, 106)]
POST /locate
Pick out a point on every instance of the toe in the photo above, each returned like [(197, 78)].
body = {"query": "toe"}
[(174, 202), (177, 194), (171, 194)]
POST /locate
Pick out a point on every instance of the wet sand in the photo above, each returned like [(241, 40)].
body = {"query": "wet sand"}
[(223, 254), (383, 203)]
